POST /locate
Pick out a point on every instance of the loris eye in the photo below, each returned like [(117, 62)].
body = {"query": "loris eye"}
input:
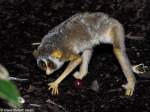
[(51, 64), (42, 65)]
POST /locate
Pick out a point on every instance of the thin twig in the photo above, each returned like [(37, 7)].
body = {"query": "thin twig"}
[(27, 51), (61, 107), (129, 36), (36, 43), (17, 79), (35, 105)]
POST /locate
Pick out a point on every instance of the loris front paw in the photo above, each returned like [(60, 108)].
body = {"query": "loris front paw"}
[(129, 88), (80, 75), (77, 75), (54, 87)]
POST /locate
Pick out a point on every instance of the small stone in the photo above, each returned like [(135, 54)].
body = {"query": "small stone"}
[(95, 86)]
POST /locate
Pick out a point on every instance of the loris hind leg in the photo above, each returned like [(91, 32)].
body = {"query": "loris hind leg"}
[(119, 50), (86, 56), (127, 70)]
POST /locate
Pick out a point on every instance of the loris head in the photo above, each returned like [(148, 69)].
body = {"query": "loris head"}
[(48, 62)]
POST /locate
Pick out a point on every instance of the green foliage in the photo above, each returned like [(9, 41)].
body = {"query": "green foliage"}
[(8, 90)]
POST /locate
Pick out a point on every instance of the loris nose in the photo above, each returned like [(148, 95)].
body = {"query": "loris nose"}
[(48, 71)]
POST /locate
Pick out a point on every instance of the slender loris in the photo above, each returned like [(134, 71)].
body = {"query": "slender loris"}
[(73, 40)]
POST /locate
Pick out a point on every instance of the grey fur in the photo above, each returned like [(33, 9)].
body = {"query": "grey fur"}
[(59, 37), (82, 32)]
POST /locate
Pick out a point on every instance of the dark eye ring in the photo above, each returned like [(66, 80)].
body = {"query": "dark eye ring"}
[(51, 64), (42, 64)]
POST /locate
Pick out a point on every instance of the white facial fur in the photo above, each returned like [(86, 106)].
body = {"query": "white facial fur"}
[(57, 62), (49, 70)]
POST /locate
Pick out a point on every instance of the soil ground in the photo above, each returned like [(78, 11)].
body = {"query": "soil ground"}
[(23, 22)]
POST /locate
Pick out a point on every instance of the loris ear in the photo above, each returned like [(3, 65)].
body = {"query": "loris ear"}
[(57, 54), (35, 53)]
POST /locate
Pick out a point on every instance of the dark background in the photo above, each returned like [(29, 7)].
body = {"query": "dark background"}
[(23, 22)]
